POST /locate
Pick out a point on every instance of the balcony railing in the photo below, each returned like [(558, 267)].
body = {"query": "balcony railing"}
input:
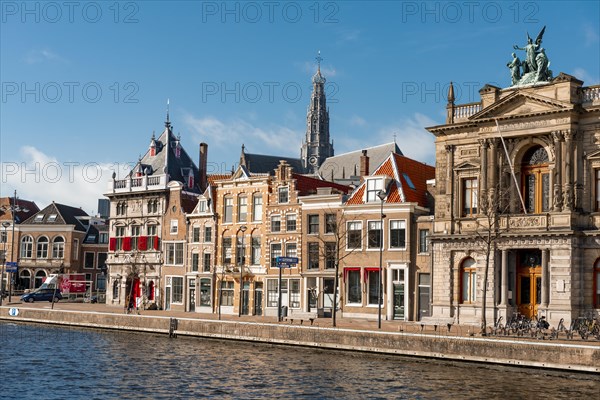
[(464, 111), (590, 94), (137, 183)]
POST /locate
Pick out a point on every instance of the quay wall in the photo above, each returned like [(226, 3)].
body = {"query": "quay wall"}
[(584, 357)]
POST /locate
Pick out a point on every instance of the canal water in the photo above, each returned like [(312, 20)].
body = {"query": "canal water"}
[(46, 362)]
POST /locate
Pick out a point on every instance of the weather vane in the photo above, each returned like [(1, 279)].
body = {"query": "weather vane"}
[(319, 59)]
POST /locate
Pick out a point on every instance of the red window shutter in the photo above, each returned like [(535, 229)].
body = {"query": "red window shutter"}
[(126, 243), (156, 242), (143, 243), (112, 244)]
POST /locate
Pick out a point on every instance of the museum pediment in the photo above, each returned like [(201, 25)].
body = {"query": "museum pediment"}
[(467, 165), (520, 104)]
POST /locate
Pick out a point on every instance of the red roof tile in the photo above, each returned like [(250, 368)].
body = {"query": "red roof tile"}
[(307, 185)]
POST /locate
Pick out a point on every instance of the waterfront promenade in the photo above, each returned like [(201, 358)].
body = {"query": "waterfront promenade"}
[(396, 337)]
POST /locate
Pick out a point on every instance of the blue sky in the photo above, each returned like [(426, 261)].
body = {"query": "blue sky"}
[(84, 84)]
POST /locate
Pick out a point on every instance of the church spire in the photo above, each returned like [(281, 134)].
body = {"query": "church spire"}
[(167, 122), (317, 146)]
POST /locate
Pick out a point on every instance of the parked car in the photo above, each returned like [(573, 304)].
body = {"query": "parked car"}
[(42, 295)]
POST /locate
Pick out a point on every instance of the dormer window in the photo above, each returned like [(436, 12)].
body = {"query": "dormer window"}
[(374, 186), (283, 195), (202, 206), (39, 218), (177, 150), (51, 218)]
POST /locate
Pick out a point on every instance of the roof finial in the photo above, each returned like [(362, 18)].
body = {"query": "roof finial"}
[(319, 59), (394, 137), (167, 122), (451, 93)]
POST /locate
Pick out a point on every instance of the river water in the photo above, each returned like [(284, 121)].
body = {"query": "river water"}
[(46, 362)]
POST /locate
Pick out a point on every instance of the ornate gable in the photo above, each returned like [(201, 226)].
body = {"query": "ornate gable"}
[(520, 104)]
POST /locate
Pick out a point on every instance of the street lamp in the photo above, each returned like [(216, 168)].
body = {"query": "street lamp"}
[(381, 194), (242, 260), (12, 208), (4, 225)]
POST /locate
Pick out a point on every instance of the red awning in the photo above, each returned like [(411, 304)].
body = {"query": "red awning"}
[(370, 269), (347, 269)]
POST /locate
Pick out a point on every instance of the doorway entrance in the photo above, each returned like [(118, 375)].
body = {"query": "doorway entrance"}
[(529, 283), (245, 298), (192, 295), (258, 298)]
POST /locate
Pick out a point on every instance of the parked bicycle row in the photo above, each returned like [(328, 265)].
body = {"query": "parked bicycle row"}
[(521, 326)]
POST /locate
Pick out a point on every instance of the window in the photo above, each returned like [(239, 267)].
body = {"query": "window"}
[(3, 237), (119, 234), (115, 291), (272, 292), (469, 199), (290, 224), (88, 260), (227, 251), (373, 277), (174, 226), (423, 235), (196, 235), (26, 247), (76, 249), (51, 218), (195, 262), (240, 249), (275, 252), (42, 247), (291, 250), (354, 289), (39, 218), (397, 234), (330, 223), (174, 253), (313, 255), (228, 210), (151, 230), (135, 235), (202, 206), (152, 237), (257, 207), (283, 195), (374, 239), (207, 234), (330, 255), (596, 286), (177, 289), (206, 262), (276, 223), (354, 235), (536, 180), (255, 250), (58, 247), (227, 293), (205, 291), (152, 206), (468, 273), (103, 239), (294, 285), (313, 224), (100, 282), (102, 256), (374, 186), (242, 208)]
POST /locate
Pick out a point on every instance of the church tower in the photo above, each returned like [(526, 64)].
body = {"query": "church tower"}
[(316, 147)]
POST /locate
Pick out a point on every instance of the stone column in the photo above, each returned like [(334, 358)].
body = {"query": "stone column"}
[(483, 200), (451, 203), (493, 184), (579, 170), (568, 180), (504, 283), (557, 193), (545, 277)]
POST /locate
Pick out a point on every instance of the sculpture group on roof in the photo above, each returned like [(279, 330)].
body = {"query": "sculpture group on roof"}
[(534, 68)]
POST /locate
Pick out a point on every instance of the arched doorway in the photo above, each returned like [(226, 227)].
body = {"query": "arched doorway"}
[(529, 282), (536, 180), (40, 277), (151, 291), (24, 280), (133, 292)]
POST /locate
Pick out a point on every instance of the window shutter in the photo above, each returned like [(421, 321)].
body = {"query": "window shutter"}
[(143, 243), (112, 244), (127, 243), (155, 242)]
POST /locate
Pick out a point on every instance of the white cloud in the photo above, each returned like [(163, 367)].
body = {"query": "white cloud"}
[(357, 121), (43, 179), (37, 56), (274, 139), (585, 76)]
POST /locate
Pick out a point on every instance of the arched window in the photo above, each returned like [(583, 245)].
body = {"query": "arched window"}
[(151, 291), (115, 289), (468, 281), (536, 180), (24, 279), (40, 276), (58, 247), (27, 247), (42, 247), (597, 284)]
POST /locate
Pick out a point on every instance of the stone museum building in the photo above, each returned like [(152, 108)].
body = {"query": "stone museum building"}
[(518, 174)]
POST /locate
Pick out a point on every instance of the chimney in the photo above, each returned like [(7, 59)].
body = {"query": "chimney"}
[(202, 163), (364, 164)]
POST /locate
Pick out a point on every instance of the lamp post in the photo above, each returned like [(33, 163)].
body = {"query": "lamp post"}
[(243, 229), (4, 225), (381, 194), (12, 208)]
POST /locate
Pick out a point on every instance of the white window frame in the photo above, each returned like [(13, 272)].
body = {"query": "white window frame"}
[(372, 187), (173, 227), (390, 223), (359, 223), (173, 262), (381, 229)]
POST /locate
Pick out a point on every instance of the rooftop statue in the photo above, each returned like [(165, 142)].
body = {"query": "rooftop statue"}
[(535, 67)]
